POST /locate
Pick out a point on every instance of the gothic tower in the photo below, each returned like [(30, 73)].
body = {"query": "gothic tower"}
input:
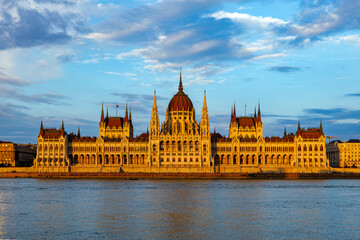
[(204, 122), (154, 122)]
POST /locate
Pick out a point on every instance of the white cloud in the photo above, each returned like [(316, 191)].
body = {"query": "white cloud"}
[(33, 64), (275, 55), (99, 36), (312, 29), (12, 80), (346, 121), (259, 45), (199, 81), (134, 53), (155, 65), (121, 74), (87, 61), (354, 39), (249, 20), (175, 38), (145, 84)]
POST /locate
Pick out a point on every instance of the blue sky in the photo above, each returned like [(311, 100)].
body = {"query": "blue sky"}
[(60, 60)]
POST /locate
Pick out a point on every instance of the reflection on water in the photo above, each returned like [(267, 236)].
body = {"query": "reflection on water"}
[(186, 209), (2, 217)]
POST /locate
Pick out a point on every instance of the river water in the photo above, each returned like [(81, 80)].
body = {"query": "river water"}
[(179, 209)]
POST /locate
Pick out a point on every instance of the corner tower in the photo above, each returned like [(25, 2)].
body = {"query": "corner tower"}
[(244, 126), (115, 127)]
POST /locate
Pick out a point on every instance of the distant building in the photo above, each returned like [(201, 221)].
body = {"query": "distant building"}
[(179, 144), (16, 155), (344, 154)]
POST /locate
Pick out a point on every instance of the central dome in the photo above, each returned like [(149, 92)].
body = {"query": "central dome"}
[(180, 101)]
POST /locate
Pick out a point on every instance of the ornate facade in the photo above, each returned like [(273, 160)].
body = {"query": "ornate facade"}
[(344, 154), (180, 144)]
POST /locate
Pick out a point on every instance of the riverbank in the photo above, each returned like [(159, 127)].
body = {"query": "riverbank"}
[(135, 176)]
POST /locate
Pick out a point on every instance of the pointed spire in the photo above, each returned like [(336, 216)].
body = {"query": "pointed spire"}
[(234, 110), (180, 83), (285, 132), (130, 114), (154, 121), (154, 102), (204, 102), (126, 113), (62, 125), (233, 114), (299, 129), (41, 128), (321, 128), (147, 130), (102, 113), (107, 112), (259, 113), (204, 122), (78, 132), (255, 112)]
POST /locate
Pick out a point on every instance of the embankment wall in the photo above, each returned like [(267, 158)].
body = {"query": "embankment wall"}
[(174, 170)]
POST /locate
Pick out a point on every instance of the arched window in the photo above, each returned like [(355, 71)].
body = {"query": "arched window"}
[(154, 147), (316, 148), (299, 148), (305, 149), (204, 147), (196, 146), (321, 148), (310, 148)]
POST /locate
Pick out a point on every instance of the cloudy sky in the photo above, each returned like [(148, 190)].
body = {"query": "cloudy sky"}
[(61, 59)]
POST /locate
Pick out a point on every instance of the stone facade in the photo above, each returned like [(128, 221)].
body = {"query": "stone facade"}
[(344, 154), (180, 144), (16, 155)]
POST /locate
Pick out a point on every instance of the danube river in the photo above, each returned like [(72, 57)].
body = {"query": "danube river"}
[(179, 209)]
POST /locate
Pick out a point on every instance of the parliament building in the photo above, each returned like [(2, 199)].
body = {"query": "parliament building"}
[(180, 144)]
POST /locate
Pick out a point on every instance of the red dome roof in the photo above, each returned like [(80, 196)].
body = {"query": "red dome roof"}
[(180, 101)]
